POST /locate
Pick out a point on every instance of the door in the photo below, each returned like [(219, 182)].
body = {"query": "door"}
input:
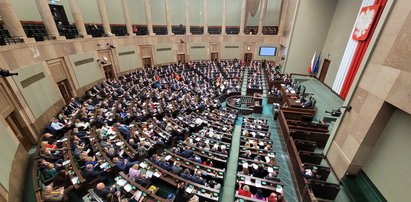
[(248, 57), (214, 57), (181, 58), (324, 69), (108, 71), (17, 129), (65, 90), (147, 62)]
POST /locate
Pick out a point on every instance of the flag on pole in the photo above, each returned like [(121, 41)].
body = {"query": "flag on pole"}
[(310, 68), (317, 63)]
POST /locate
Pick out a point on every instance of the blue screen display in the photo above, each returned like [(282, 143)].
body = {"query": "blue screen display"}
[(268, 51)]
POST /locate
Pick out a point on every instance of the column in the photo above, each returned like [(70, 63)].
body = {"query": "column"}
[(148, 17), (223, 27), (205, 18), (188, 32), (48, 19), (168, 19), (242, 22), (78, 18), (11, 20), (127, 18), (104, 18), (262, 16)]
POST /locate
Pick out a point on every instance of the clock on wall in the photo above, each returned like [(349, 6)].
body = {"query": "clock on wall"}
[(364, 22)]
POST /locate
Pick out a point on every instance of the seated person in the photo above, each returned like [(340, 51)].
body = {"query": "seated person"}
[(50, 195), (197, 178), (143, 179), (91, 174), (102, 191), (259, 195), (176, 168), (186, 174), (244, 191), (165, 165), (123, 164)]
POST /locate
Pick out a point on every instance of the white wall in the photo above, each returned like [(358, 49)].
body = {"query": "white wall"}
[(389, 165), (310, 31), (338, 35)]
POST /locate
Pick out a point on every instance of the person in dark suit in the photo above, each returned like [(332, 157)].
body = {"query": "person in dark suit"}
[(176, 168), (182, 195), (102, 191), (90, 173), (164, 165), (186, 174)]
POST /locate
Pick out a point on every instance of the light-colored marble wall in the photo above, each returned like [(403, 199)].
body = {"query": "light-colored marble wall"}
[(382, 87), (198, 51), (338, 35), (310, 31), (390, 174), (88, 72), (129, 61), (8, 148), (164, 56), (230, 52), (41, 94)]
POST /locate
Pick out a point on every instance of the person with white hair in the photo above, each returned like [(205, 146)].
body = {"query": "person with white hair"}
[(50, 195)]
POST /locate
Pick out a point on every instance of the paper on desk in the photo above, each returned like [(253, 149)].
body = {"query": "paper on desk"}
[(198, 139), (247, 180), (104, 165), (168, 157), (245, 165), (271, 155), (74, 180), (143, 165), (255, 166), (119, 143), (66, 162), (128, 187), (62, 140), (267, 159), (121, 182), (258, 183), (279, 189), (149, 173), (189, 189), (157, 174), (138, 195), (112, 137), (270, 169), (121, 153)]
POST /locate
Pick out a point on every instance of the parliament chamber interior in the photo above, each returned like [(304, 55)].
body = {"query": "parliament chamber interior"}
[(205, 100)]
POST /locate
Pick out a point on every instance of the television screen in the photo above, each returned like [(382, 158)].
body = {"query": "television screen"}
[(268, 51)]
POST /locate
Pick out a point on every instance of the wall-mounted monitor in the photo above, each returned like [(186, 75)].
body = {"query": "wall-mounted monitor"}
[(268, 51)]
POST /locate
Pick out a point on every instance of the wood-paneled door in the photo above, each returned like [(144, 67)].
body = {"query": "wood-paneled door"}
[(181, 58), (109, 72), (65, 90), (248, 57), (14, 123), (214, 57), (324, 69), (147, 62)]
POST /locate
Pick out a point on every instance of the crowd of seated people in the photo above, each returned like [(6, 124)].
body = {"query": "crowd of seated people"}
[(225, 75), (257, 176), (255, 75), (120, 122)]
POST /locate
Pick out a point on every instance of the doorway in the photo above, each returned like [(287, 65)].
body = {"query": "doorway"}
[(181, 58), (65, 90), (14, 123), (109, 72), (147, 62), (324, 70), (248, 57), (214, 57)]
